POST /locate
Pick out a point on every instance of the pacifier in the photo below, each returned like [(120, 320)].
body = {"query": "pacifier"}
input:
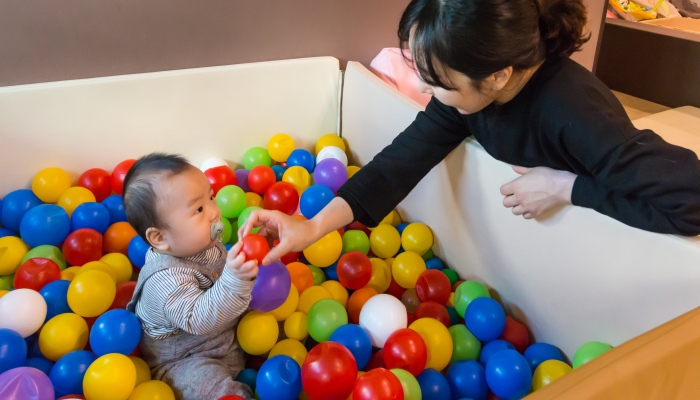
[(217, 228)]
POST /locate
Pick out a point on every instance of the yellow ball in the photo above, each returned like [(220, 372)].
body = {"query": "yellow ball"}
[(385, 241), (50, 183), (352, 170), (326, 250), (69, 273), (73, 197), (91, 293), (437, 340), (292, 348), (253, 199), (152, 390), (280, 147), (120, 265), (548, 372), (3, 292), (12, 251), (143, 373), (395, 218), (295, 326), (298, 176), (381, 275), (406, 269), (310, 296), (290, 305), (417, 238), (257, 332), (451, 300), (62, 334), (330, 139), (389, 261), (98, 266), (110, 377), (338, 291)]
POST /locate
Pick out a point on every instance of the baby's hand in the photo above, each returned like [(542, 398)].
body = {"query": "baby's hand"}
[(236, 263)]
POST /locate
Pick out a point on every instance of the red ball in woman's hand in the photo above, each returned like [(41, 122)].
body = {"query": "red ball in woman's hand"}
[(255, 247)]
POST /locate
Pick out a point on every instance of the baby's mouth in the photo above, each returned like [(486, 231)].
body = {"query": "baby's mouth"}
[(217, 228)]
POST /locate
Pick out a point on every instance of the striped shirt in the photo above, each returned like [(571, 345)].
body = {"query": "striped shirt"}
[(182, 299)]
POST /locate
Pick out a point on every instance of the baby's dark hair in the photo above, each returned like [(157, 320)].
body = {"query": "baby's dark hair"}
[(139, 192)]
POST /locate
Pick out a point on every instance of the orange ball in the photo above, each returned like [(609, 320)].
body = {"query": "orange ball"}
[(357, 300), (117, 237), (302, 278)]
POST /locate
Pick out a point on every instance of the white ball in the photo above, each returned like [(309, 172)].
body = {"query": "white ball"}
[(213, 162), (332, 152), (23, 311), (381, 316)]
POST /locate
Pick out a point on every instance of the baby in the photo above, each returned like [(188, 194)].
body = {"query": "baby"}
[(190, 293)]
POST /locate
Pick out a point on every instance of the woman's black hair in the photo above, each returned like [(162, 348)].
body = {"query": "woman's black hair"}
[(480, 37)]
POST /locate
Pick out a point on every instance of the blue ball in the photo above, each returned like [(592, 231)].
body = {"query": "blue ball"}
[(467, 379), (538, 353), (13, 350), (115, 206), (6, 232), (356, 340), (137, 251), (228, 246), (485, 318), (68, 372), (39, 363), (434, 263), (492, 348), (400, 227), (314, 199), (45, 224), (56, 295), (116, 331), (279, 171), (454, 316), (331, 271), (90, 215), (433, 385), (279, 378), (508, 374), (248, 376), (15, 205), (32, 342), (303, 159)]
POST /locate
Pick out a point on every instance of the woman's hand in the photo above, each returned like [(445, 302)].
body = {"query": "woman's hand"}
[(537, 191)]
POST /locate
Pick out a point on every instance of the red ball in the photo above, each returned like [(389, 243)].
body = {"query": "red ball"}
[(289, 257), (125, 291), (454, 287), (378, 384), (260, 179), (432, 309), (119, 174), (71, 397), (220, 176), (136, 352), (354, 270), (98, 181), (82, 246), (395, 289), (433, 285), (231, 397), (255, 247), (329, 372), (282, 196), (35, 273), (376, 361), (406, 349), (516, 334), (358, 226)]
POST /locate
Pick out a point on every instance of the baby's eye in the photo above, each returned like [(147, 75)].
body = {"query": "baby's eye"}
[(200, 209)]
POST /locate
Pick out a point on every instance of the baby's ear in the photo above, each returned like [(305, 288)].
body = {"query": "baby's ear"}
[(157, 239)]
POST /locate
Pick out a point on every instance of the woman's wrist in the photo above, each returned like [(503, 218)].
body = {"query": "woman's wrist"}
[(565, 181)]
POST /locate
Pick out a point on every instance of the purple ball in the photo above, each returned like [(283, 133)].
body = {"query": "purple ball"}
[(26, 383), (330, 173), (242, 179), (271, 287)]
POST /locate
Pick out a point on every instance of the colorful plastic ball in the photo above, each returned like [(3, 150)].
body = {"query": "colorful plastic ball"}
[(331, 272), (329, 372), (325, 251), (329, 139), (91, 293), (125, 291), (466, 293), (137, 251), (68, 372), (485, 318), (417, 238), (245, 214), (83, 246), (548, 372), (465, 345), (98, 181), (538, 353), (405, 349), (355, 339), (115, 331), (467, 379), (586, 352), (330, 173), (143, 372), (409, 384), (301, 276), (516, 333), (12, 252), (261, 178), (290, 348), (62, 334), (451, 275), (242, 179), (434, 310), (279, 378), (381, 316), (247, 376), (381, 275), (357, 301), (492, 348), (13, 350), (376, 361), (47, 251), (319, 276), (332, 152), (15, 205), (55, 296), (434, 385), (435, 263), (339, 293), (257, 332), (298, 177), (115, 206), (69, 273), (45, 224), (352, 170), (25, 383), (92, 216), (406, 269), (74, 197), (119, 173), (281, 196), (231, 201), (220, 177), (212, 162), (152, 390), (271, 287), (295, 326), (97, 266), (279, 172), (23, 311), (35, 273), (117, 238), (256, 156), (120, 264), (255, 247), (289, 306), (437, 340), (324, 317), (4, 231), (40, 363), (301, 158), (385, 241), (378, 384), (354, 270), (354, 240), (508, 374), (49, 183), (433, 285), (314, 199), (410, 299), (110, 377)]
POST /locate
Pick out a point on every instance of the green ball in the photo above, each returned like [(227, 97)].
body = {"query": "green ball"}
[(451, 275), (47, 251), (256, 156), (226, 236), (411, 388), (466, 292), (589, 351), (7, 282), (234, 234), (319, 276), (465, 345), (428, 255), (355, 241), (324, 318), (231, 201), (245, 214)]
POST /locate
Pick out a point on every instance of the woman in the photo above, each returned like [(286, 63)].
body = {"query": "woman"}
[(500, 70)]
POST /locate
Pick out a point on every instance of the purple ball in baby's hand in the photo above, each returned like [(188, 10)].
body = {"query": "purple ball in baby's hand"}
[(271, 287)]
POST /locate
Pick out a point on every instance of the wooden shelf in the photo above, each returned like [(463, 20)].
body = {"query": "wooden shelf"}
[(659, 30)]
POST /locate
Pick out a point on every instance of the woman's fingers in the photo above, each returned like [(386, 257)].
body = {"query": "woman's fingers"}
[(510, 201)]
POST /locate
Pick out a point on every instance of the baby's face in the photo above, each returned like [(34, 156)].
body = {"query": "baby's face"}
[(189, 210)]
